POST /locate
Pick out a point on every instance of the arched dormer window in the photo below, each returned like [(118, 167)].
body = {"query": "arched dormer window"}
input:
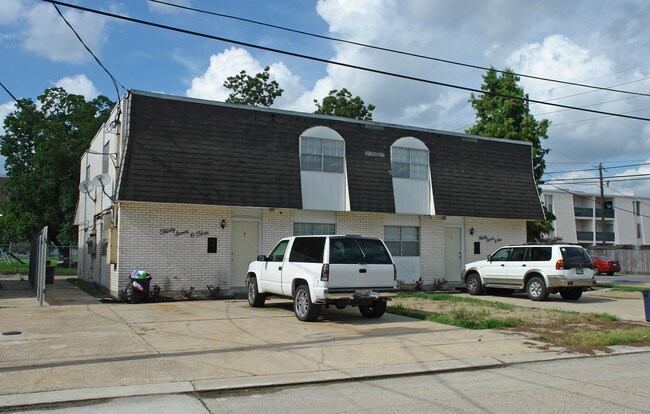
[(323, 175), (322, 149), (410, 159), (411, 177)]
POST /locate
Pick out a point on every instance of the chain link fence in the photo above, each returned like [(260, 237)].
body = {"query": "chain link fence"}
[(15, 257)]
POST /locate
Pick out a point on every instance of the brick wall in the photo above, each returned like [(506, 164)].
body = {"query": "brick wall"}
[(432, 249), (492, 234), (276, 225), (170, 242), (364, 224)]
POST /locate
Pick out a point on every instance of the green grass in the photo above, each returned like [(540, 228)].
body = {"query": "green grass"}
[(592, 337), (86, 287), (23, 268), (461, 317), (579, 317), (459, 299)]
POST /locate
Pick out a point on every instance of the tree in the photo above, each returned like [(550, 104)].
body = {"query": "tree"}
[(502, 112), (43, 143), (249, 90), (341, 103)]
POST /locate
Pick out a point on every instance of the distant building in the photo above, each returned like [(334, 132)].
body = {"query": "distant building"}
[(579, 218)]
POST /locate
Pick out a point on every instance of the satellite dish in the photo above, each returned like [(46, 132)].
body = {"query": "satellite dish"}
[(101, 180), (86, 186)]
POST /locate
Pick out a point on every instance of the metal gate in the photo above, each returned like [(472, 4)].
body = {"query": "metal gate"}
[(37, 262)]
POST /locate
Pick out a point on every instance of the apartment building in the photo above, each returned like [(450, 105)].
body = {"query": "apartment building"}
[(579, 218)]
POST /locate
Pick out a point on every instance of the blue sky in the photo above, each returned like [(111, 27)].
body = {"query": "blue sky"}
[(596, 42)]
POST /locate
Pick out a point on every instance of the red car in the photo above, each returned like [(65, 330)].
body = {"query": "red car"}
[(603, 265)]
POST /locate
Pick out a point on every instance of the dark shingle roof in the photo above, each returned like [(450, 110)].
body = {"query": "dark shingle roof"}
[(183, 150)]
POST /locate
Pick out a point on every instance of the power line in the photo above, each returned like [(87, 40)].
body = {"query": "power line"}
[(342, 64), (115, 81), (385, 49), (596, 169)]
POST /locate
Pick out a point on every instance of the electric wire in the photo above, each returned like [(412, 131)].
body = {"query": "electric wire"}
[(596, 169), (385, 49), (113, 79), (322, 60)]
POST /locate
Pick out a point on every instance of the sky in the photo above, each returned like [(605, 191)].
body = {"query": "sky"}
[(594, 42)]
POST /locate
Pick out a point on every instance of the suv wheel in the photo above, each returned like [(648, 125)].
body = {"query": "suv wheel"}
[(303, 308), (255, 298), (536, 289), (571, 294), (376, 310), (596, 271), (474, 285)]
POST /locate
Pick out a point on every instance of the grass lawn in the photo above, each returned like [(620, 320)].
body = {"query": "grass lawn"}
[(15, 266), (582, 332)]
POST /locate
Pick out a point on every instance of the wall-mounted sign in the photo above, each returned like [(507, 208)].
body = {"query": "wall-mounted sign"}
[(173, 232)]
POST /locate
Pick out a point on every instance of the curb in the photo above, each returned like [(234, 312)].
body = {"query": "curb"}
[(25, 400)]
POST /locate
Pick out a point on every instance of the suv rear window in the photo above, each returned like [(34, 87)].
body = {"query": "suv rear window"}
[(575, 257), (349, 250), (540, 254), (307, 250)]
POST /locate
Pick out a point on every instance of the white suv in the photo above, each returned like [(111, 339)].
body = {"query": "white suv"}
[(538, 269)]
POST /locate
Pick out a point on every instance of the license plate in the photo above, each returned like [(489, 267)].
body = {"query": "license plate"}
[(580, 271), (363, 293)]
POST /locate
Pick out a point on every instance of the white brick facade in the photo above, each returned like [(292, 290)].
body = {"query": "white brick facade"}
[(492, 234)]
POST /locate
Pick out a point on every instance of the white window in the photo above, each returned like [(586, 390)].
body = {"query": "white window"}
[(321, 154), (410, 163), (402, 240), (637, 208), (311, 229), (548, 202), (105, 157), (638, 230)]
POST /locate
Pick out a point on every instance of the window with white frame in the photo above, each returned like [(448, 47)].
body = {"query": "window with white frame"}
[(322, 154), (638, 231), (548, 203), (637, 208), (410, 163), (105, 157), (402, 240), (311, 229)]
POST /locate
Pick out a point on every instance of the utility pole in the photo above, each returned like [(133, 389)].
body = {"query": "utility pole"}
[(602, 202)]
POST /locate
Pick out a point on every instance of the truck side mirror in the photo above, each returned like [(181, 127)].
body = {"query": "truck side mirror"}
[(261, 258), (489, 258)]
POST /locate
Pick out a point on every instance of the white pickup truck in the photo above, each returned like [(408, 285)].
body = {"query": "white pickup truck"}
[(325, 270)]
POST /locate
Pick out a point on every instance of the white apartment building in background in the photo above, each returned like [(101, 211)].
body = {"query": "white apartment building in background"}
[(579, 218)]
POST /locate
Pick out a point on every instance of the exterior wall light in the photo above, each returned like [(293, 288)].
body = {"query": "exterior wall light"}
[(471, 231), (223, 223)]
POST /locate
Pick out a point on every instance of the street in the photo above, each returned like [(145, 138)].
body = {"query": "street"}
[(587, 385)]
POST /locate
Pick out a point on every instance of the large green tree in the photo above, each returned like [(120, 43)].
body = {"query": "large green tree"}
[(342, 103), (253, 90), (502, 112), (43, 143)]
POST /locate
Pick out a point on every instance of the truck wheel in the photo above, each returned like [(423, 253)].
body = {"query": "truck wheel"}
[(376, 310), (571, 294), (303, 308), (255, 298), (474, 285), (536, 289)]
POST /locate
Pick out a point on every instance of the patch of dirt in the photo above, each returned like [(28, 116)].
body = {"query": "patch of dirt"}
[(550, 326), (615, 295)]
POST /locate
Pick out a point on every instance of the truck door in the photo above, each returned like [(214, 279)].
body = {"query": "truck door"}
[(271, 279)]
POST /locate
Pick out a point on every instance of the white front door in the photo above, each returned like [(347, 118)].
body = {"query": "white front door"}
[(245, 248), (453, 254)]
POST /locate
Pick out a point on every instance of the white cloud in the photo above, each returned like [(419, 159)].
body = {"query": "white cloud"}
[(231, 62), (5, 109), (10, 11), (78, 85), (164, 9), (48, 35)]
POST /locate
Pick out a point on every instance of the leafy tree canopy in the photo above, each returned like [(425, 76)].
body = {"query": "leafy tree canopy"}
[(341, 103), (43, 143), (249, 90), (502, 112)]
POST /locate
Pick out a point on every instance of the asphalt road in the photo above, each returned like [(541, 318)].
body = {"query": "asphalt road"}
[(624, 279), (610, 384)]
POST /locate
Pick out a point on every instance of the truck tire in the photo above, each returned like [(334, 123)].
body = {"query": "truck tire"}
[(474, 285), (536, 289), (255, 298), (571, 294), (376, 310), (303, 308)]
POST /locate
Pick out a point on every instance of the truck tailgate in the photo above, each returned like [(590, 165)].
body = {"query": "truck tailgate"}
[(361, 276)]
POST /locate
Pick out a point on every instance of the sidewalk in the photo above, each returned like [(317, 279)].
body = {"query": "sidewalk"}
[(78, 348)]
